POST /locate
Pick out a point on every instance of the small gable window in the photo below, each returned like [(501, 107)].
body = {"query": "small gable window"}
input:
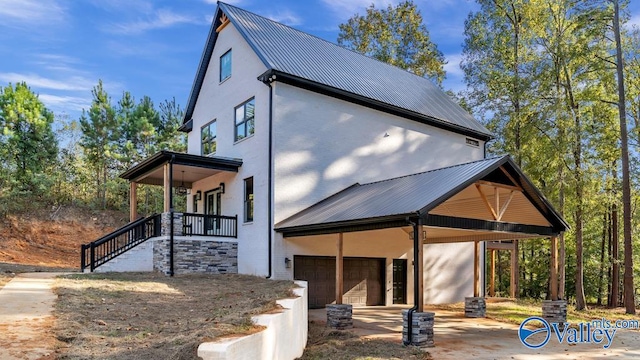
[(245, 120), (209, 136), (225, 66)]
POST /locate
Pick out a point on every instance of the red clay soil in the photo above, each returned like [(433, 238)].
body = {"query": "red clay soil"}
[(52, 238)]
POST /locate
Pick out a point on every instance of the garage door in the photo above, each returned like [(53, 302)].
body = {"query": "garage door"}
[(363, 279)]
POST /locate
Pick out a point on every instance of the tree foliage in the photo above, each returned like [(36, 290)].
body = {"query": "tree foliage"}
[(27, 145), (395, 35)]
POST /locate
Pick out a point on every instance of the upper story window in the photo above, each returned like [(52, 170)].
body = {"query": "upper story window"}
[(209, 135), (225, 66), (245, 120)]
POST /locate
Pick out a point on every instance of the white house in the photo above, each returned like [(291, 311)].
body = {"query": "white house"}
[(322, 152)]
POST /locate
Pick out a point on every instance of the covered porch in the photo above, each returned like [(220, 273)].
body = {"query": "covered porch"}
[(482, 202), (176, 173)]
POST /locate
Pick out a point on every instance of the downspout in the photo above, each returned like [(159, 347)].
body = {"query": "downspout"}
[(171, 214), (270, 182), (416, 286)]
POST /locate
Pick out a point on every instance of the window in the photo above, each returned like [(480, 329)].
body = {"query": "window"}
[(472, 142), (245, 120), (209, 135), (225, 66), (248, 199)]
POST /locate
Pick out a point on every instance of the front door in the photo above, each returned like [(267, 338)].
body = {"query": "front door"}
[(212, 206), (399, 281)]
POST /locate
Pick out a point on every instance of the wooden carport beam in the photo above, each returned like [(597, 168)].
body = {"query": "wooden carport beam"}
[(339, 269), (496, 211), (133, 201)]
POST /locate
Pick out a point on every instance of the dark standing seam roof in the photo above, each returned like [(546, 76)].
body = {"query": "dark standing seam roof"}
[(404, 196), (302, 55)]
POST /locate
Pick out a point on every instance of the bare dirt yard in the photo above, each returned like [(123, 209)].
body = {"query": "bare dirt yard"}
[(52, 237), (151, 316)]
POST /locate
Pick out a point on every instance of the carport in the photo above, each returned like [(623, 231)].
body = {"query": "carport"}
[(485, 200)]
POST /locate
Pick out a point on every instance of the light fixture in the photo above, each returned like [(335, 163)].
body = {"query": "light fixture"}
[(181, 190), (221, 188), (287, 263), (198, 195)]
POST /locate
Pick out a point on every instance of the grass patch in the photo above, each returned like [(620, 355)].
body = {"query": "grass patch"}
[(151, 316), (324, 343)]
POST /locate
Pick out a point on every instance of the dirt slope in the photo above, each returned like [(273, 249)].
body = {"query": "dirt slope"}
[(52, 237)]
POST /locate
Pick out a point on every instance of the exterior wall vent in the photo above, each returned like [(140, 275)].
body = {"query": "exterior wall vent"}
[(472, 142)]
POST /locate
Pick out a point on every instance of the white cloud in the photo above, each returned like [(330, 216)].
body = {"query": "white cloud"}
[(56, 102), (452, 67), (72, 83), (159, 19), (347, 8), (34, 12), (634, 22), (286, 17)]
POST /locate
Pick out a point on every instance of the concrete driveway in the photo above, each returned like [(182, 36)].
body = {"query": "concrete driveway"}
[(457, 337)]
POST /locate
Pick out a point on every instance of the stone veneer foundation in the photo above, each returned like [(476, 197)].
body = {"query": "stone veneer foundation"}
[(192, 255), (555, 311), (421, 328), (475, 307), (340, 317)]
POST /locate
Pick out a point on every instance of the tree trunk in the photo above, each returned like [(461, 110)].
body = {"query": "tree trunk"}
[(629, 299), (615, 252), (601, 272)]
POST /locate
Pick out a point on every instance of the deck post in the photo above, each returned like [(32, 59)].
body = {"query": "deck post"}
[(553, 283), (339, 269), (133, 201), (167, 188)]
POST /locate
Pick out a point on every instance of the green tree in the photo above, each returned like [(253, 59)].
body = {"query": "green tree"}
[(99, 140), (27, 143), (395, 35)]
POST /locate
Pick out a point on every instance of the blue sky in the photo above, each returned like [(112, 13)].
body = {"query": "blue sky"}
[(62, 47)]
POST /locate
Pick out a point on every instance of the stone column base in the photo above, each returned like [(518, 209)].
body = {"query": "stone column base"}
[(555, 311), (475, 307), (340, 317), (421, 328)]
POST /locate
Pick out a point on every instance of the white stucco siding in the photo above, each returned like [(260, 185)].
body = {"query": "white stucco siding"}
[(218, 101), (323, 145)]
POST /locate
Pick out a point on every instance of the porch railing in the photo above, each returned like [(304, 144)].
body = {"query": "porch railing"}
[(109, 246), (210, 225)]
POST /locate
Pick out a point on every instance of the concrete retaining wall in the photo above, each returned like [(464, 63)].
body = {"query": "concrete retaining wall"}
[(285, 336), (138, 259)]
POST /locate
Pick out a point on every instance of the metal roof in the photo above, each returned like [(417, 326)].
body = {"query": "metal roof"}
[(413, 195), (304, 56), (152, 167)]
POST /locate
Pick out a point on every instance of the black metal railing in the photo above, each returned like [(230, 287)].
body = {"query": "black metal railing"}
[(210, 225), (109, 246)]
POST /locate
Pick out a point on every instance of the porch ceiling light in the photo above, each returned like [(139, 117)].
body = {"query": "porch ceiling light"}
[(181, 190)]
